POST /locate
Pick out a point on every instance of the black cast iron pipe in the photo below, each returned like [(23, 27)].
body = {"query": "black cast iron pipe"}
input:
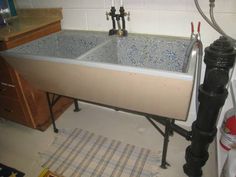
[(219, 59)]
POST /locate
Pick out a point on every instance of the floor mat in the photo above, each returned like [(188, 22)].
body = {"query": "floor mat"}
[(6, 171), (80, 153)]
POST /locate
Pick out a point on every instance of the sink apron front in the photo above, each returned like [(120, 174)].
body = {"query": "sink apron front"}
[(136, 91)]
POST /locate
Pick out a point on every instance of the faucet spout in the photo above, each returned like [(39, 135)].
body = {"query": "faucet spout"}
[(118, 23), (119, 31)]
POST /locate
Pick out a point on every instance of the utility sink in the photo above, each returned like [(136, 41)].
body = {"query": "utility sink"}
[(145, 73)]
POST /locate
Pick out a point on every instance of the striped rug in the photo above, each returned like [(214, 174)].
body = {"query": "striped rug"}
[(80, 153)]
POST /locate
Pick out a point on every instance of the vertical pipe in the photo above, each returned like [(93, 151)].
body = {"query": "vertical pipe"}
[(113, 14), (122, 14), (219, 59)]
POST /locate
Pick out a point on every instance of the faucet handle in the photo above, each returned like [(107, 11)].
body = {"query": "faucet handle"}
[(128, 16), (107, 15)]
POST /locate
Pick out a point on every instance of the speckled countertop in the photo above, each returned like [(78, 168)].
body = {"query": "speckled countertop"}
[(28, 20)]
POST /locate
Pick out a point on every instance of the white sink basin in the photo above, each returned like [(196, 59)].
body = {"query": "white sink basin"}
[(65, 44), (144, 51), (145, 73)]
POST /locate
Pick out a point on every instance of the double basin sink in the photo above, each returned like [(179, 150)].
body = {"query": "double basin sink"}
[(145, 73)]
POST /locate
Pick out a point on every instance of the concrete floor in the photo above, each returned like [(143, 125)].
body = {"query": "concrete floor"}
[(20, 145)]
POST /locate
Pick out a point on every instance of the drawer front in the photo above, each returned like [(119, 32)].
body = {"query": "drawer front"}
[(12, 110), (8, 90), (5, 75), (3, 63)]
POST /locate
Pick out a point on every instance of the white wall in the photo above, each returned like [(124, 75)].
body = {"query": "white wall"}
[(168, 17)]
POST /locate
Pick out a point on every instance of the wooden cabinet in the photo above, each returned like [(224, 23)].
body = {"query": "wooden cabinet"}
[(19, 101), (11, 109)]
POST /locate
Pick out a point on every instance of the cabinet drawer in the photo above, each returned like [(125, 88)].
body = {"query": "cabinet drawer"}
[(5, 75), (8, 90), (11, 109)]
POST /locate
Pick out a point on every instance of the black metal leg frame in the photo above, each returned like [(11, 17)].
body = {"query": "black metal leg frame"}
[(169, 124), (170, 128), (219, 59), (52, 100)]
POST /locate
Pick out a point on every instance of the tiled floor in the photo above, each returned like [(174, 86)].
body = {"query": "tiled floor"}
[(19, 146)]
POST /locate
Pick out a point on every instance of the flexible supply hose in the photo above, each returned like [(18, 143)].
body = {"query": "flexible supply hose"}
[(212, 22), (204, 16), (211, 12), (222, 32)]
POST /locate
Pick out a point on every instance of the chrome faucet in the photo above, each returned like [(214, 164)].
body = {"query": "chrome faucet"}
[(5, 14), (121, 31)]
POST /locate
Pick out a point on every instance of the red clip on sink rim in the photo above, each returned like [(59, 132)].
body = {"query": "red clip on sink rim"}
[(199, 27)]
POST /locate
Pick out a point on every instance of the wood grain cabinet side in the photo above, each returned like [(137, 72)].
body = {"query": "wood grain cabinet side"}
[(19, 100), (11, 105), (38, 107)]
